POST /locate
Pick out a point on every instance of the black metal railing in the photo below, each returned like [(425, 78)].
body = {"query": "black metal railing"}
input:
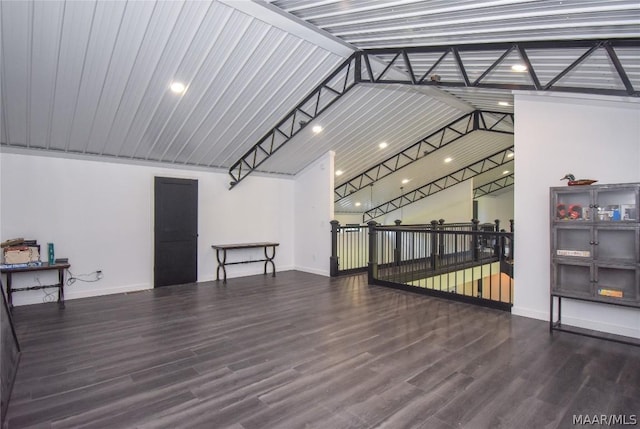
[(350, 244), (349, 248), (468, 262)]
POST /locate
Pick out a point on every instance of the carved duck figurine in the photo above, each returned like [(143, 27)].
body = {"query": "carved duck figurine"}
[(573, 182)]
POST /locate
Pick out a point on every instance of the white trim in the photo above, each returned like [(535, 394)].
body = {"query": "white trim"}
[(594, 99), (270, 14), (129, 161), (70, 293), (252, 271), (530, 313), (319, 272)]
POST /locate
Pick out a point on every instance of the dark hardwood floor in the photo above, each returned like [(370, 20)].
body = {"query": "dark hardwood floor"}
[(304, 351)]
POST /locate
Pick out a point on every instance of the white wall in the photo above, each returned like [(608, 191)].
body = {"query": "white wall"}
[(592, 137), (1, 199), (492, 207), (313, 214), (100, 216), (454, 204)]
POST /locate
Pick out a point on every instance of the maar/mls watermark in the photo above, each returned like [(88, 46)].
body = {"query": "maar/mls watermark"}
[(605, 419)]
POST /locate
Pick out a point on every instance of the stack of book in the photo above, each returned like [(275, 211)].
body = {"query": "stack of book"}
[(18, 252)]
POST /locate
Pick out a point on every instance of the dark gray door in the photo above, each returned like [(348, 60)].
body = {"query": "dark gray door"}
[(176, 231)]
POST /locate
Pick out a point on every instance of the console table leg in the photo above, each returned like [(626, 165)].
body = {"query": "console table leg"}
[(221, 264), (270, 259), (9, 298), (61, 287)]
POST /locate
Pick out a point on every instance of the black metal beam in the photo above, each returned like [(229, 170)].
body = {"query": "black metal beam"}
[(358, 68), (337, 84), (402, 60), (489, 163), (496, 185), (476, 120)]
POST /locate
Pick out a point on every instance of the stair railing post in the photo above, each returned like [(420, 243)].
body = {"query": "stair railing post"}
[(496, 241), (476, 239), (333, 260), (441, 239), (396, 251), (372, 268), (434, 244)]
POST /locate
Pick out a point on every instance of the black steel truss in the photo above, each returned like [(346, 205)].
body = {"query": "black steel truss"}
[(482, 166), (474, 121), (320, 99), (421, 64), (496, 185)]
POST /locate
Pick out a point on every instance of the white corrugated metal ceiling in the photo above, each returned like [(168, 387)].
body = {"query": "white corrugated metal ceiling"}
[(92, 77)]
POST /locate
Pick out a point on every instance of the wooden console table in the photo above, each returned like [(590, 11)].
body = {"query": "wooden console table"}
[(221, 256), (9, 271)]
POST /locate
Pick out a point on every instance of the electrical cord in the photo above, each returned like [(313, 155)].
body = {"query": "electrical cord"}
[(48, 296), (97, 275)]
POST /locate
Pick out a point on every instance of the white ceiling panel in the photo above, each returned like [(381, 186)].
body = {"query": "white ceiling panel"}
[(93, 77), (16, 42), (491, 100), (360, 121), (104, 33), (124, 55), (391, 23), (136, 77)]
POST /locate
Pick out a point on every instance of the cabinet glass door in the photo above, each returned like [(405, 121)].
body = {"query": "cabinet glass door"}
[(616, 205), (572, 205), (572, 279), (620, 244), (573, 242), (616, 283)]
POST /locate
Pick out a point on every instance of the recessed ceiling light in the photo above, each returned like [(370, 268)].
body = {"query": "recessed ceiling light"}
[(405, 181), (383, 145), (506, 172), (178, 87), (503, 103), (316, 129), (519, 68), (339, 172), (448, 159), (510, 155), (357, 204)]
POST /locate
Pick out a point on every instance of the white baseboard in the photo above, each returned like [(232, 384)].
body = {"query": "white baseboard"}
[(249, 271), (69, 293), (530, 313), (73, 292), (600, 326), (320, 272)]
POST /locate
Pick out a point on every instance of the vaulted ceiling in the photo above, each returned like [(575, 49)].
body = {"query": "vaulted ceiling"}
[(92, 78)]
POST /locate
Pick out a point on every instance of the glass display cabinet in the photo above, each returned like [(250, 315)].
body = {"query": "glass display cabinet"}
[(595, 245)]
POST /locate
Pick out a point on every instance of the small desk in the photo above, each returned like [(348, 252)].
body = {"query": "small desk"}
[(222, 262), (9, 271)]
